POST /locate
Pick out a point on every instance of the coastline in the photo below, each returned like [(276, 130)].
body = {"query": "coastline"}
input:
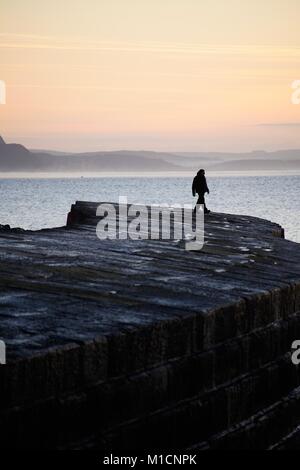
[(172, 174)]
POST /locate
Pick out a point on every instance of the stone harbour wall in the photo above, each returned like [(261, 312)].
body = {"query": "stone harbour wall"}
[(140, 345)]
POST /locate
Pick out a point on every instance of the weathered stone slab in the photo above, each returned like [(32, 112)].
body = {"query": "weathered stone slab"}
[(147, 325)]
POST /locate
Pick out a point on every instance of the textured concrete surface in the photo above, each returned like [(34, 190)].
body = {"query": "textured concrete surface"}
[(120, 343), (59, 285)]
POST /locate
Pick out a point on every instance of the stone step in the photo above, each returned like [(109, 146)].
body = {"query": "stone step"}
[(197, 419), (191, 373), (95, 410), (266, 429), (291, 441)]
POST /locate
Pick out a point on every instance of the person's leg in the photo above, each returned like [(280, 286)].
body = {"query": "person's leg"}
[(199, 201), (206, 211)]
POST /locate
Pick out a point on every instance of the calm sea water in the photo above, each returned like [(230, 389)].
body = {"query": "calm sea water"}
[(40, 203)]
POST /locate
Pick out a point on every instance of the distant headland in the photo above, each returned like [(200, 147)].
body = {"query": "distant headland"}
[(17, 158)]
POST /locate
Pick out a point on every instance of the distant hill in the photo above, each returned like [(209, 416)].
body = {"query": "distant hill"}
[(291, 154), (17, 158), (257, 165), (256, 160)]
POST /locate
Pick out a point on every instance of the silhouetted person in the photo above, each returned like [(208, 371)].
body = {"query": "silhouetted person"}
[(200, 187)]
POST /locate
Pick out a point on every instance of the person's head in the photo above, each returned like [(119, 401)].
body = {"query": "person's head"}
[(201, 172)]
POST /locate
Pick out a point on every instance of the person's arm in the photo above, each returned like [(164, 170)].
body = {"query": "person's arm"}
[(194, 187), (206, 187)]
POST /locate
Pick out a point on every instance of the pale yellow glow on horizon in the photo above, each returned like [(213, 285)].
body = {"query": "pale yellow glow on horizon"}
[(169, 75)]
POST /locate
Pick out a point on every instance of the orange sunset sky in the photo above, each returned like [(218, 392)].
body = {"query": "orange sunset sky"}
[(150, 74)]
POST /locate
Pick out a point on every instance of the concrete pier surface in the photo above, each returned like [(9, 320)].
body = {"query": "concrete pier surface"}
[(122, 344)]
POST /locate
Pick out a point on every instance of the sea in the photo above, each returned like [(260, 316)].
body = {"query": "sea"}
[(43, 201)]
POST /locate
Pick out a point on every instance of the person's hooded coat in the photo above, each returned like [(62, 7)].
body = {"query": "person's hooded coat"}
[(199, 184)]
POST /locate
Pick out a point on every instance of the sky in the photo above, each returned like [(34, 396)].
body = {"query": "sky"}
[(171, 75)]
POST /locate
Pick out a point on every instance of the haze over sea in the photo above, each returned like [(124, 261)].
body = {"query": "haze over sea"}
[(44, 202)]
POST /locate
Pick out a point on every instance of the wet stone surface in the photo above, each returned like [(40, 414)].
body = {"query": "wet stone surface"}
[(65, 285), (123, 344)]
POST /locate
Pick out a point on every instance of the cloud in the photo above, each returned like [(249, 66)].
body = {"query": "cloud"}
[(279, 124), (29, 41)]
